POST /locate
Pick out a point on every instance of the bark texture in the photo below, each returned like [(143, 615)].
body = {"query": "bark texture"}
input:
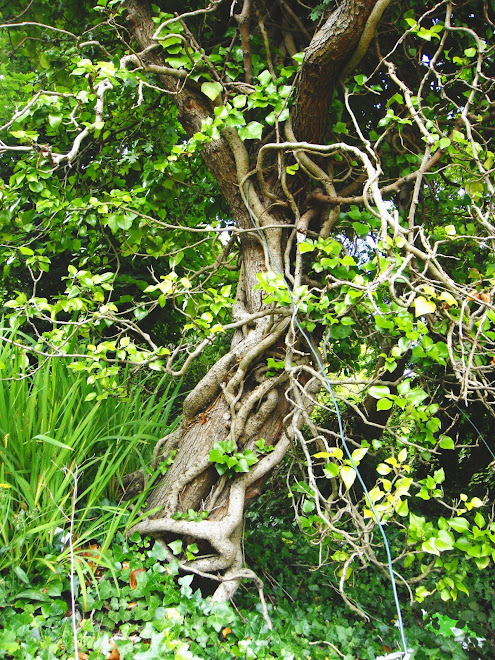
[(237, 399), (329, 50)]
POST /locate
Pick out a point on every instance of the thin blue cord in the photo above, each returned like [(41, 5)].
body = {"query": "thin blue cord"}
[(475, 428), (341, 428)]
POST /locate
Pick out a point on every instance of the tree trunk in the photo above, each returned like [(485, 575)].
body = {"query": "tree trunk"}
[(237, 400)]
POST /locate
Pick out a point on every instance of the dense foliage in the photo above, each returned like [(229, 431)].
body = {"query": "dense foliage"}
[(290, 207)]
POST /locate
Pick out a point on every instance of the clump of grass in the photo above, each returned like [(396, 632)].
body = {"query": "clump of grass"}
[(53, 439)]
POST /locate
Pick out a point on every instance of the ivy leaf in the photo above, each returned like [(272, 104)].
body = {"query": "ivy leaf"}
[(479, 520), (239, 101), (378, 391), (216, 456), (360, 228), (308, 506), (331, 470), (359, 453), (429, 546), (447, 443), (423, 306), (306, 246), (211, 89), (448, 299), (402, 508), (158, 552), (384, 404), (252, 131), (35, 186), (459, 524), (175, 546), (348, 475), (334, 452), (54, 121)]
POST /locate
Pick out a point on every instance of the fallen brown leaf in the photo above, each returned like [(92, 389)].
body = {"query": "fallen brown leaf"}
[(114, 653), (132, 577)]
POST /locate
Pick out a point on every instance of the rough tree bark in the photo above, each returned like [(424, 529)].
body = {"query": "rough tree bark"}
[(236, 399)]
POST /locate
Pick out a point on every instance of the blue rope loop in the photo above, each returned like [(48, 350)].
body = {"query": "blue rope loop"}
[(406, 653)]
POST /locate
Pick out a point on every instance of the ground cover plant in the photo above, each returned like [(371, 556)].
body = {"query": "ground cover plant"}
[(291, 206), (143, 609)]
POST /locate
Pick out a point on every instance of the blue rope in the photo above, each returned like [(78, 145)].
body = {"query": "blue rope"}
[(406, 652), (475, 428)]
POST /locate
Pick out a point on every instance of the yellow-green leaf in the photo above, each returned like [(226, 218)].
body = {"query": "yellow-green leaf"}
[(360, 453), (423, 306), (448, 298), (334, 452), (211, 89), (348, 475)]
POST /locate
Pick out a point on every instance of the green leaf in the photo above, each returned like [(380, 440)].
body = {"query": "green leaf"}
[(308, 506), (447, 443), (430, 547), (331, 470), (21, 574), (402, 508), (211, 89), (378, 391), (360, 228), (306, 246), (361, 78), (479, 520), (359, 453), (459, 524), (175, 546), (52, 441), (216, 456), (253, 131), (334, 452), (482, 562), (35, 186), (54, 121), (445, 540), (239, 101), (292, 169), (241, 465), (384, 404)]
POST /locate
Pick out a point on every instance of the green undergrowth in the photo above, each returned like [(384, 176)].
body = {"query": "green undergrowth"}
[(300, 582), (136, 601), (147, 611)]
